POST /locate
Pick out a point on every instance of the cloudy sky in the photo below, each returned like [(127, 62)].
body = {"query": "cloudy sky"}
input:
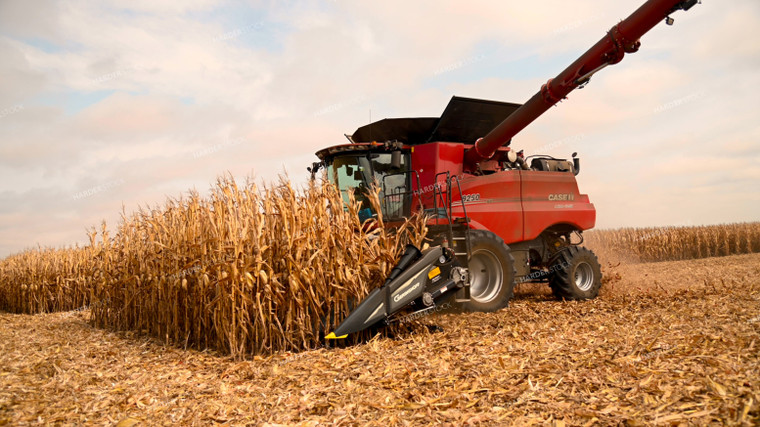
[(105, 104)]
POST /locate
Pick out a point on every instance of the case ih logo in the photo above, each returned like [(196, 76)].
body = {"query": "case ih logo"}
[(555, 197)]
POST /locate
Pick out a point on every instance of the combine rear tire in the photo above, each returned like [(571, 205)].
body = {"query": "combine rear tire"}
[(576, 274), (492, 273)]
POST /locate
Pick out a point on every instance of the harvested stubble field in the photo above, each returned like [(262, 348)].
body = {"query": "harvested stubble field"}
[(669, 343)]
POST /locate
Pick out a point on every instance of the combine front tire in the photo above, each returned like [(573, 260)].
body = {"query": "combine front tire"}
[(576, 274), (492, 272)]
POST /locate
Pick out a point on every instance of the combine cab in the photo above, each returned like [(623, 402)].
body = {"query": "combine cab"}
[(495, 216)]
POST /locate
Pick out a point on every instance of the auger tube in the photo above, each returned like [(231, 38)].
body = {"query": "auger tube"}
[(621, 39)]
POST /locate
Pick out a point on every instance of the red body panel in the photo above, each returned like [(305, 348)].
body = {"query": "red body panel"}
[(551, 198), (431, 159), (517, 205), (493, 203)]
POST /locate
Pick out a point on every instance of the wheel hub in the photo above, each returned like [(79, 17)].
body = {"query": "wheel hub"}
[(486, 276), (584, 276)]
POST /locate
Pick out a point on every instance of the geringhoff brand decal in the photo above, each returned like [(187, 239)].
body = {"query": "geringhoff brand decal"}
[(401, 296)]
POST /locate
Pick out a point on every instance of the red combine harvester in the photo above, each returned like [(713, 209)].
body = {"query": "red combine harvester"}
[(494, 215)]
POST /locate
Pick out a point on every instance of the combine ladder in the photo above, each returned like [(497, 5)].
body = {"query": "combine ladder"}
[(457, 229)]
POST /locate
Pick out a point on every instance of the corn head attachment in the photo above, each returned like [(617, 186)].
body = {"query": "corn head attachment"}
[(420, 282)]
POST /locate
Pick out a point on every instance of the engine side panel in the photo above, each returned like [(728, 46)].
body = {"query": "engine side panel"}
[(517, 205), (493, 203), (551, 198)]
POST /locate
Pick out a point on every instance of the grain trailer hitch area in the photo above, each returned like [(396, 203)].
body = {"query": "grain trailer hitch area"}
[(420, 282)]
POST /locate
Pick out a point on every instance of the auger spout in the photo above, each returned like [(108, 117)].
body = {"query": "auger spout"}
[(621, 39)]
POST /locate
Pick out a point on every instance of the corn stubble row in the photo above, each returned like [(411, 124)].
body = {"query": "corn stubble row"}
[(246, 270), (675, 243)]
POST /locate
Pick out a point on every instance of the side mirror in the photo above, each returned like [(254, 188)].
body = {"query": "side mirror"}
[(396, 159), (314, 169)]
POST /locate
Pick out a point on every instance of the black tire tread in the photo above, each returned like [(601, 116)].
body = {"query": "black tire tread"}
[(563, 279)]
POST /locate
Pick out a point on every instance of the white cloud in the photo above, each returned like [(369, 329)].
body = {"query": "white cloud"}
[(128, 94)]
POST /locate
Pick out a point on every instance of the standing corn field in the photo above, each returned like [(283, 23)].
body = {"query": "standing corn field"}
[(675, 243), (245, 270), (46, 280)]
